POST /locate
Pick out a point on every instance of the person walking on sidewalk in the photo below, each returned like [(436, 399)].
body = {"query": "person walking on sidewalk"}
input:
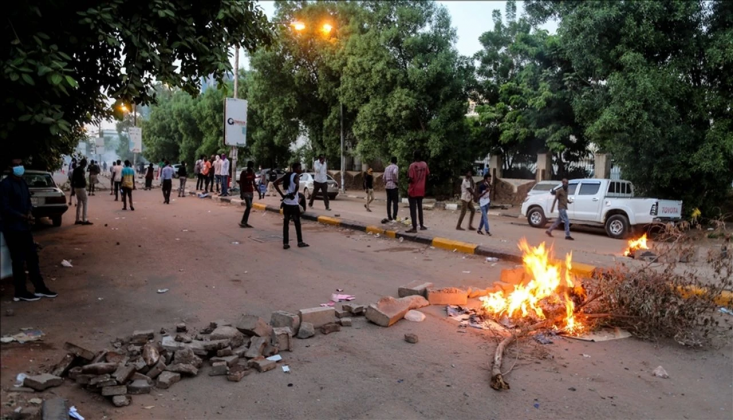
[(225, 165), (197, 173), (562, 200), (117, 178), (484, 200), (467, 191), (320, 181), (182, 177), (15, 223), (128, 182), (417, 176), (217, 171), (390, 185), (369, 188), (290, 205), (247, 191), (79, 183), (166, 179), (149, 175)]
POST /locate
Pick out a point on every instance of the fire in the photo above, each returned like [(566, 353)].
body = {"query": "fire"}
[(636, 244), (551, 285)]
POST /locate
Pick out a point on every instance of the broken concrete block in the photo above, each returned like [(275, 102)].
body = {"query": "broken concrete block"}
[(345, 322), (115, 357), (170, 344), (55, 409), (187, 357), (219, 369), (329, 328), (99, 368), (138, 387), (220, 323), (63, 366), (100, 379), (447, 296), (317, 316), (183, 338), (42, 381), (224, 352), (256, 347), (150, 354), (503, 287), (84, 379), (282, 338), (229, 360), (270, 350), (181, 368), (515, 276), (307, 330), (73, 372), (263, 365), (140, 376), (111, 391), (280, 319), (79, 351), (100, 357), (416, 287), (139, 364), (167, 379), (141, 337), (342, 314), (254, 325), (121, 401), (213, 345), (237, 372), (181, 327), (353, 308), (156, 370), (474, 293), (389, 310), (411, 338), (123, 373), (240, 351), (133, 350), (199, 347)]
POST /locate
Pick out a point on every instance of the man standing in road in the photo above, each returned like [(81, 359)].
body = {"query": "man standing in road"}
[(213, 173), (562, 200), (79, 183), (320, 181), (272, 177), (417, 176), (117, 178), (390, 185), (247, 187), (128, 182), (166, 179), (369, 188), (291, 208), (182, 178), (467, 191), (197, 173), (205, 169), (224, 175), (217, 171), (72, 167), (104, 166), (15, 222)]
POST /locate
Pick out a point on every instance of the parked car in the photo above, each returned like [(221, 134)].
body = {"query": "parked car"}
[(543, 187), (47, 199), (603, 202), (306, 186)]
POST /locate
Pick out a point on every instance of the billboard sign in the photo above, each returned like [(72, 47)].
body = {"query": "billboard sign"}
[(235, 122), (136, 139)]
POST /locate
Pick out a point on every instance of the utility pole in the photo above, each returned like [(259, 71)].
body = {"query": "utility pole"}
[(233, 152), (343, 160), (134, 124)]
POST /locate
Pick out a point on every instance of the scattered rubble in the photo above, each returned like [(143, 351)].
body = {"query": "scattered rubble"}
[(447, 296), (318, 317), (307, 330), (411, 338), (660, 373), (389, 310), (416, 287)]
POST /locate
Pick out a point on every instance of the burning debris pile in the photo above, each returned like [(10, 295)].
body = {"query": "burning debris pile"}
[(639, 250)]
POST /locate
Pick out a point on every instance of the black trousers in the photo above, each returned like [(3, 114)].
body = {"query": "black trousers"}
[(24, 254), (416, 211), (320, 186), (117, 189), (167, 186), (291, 212), (247, 197), (148, 183), (126, 192), (393, 198), (200, 182)]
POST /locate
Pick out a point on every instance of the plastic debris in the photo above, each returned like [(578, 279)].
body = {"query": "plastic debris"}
[(402, 239), (466, 272), (286, 369), (491, 259), (336, 297), (586, 355), (415, 316), (325, 305), (235, 243), (20, 378), (275, 358), (660, 372), (65, 263), (73, 413), (726, 311), (162, 290), (26, 335)]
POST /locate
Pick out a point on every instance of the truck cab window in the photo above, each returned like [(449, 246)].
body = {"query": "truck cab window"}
[(588, 188)]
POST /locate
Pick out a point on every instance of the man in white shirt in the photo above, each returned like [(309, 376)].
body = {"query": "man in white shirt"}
[(217, 171), (224, 175), (291, 209), (320, 181), (390, 185), (117, 178), (467, 188)]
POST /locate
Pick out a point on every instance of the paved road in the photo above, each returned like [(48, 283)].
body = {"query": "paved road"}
[(361, 372)]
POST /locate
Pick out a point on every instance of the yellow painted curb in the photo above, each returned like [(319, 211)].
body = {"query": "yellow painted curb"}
[(583, 270), (374, 229), (329, 220), (725, 298), (450, 245), (259, 206), (390, 233)]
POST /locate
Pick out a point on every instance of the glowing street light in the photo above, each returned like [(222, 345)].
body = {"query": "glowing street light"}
[(327, 28), (298, 26), (123, 108)]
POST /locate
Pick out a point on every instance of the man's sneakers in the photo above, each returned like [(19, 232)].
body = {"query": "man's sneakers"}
[(303, 245), (569, 238), (46, 293), (548, 233), (286, 246), (26, 297)]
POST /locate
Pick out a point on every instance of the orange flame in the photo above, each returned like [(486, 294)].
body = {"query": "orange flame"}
[(549, 280), (636, 244)]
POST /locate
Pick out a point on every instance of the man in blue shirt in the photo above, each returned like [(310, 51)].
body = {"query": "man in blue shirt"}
[(15, 221), (166, 177)]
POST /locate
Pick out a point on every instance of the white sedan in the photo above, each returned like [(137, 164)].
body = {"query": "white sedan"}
[(306, 186)]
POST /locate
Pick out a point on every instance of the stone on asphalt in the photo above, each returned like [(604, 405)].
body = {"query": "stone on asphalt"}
[(353, 308), (156, 370), (229, 360), (123, 373), (341, 314), (187, 357), (212, 345), (183, 338), (115, 357), (240, 351), (181, 327), (416, 287), (84, 379), (141, 337), (181, 368), (138, 387), (236, 373), (42, 381), (254, 325), (317, 316), (447, 296), (139, 364), (111, 391), (282, 338), (329, 328), (121, 400), (263, 365), (219, 369), (99, 368), (345, 322), (79, 351), (307, 330), (167, 379), (100, 379), (256, 347), (63, 366), (73, 372), (280, 319), (140, 376), (389, 310), (170, 344), (56, 409), (411, 338), (100, 357), (150, 354), (224, 352)]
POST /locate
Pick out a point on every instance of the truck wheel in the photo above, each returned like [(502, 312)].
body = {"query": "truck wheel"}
[(536, 217), (56, 220), (617, 226)]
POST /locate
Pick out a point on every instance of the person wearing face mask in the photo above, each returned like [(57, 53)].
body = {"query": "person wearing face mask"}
[(15, 221), (562, 200)]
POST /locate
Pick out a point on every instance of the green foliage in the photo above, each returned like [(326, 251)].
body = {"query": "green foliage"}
[(64, 58)]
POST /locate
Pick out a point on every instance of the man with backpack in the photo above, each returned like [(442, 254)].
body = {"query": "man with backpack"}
[(468, 190), (291, 204)]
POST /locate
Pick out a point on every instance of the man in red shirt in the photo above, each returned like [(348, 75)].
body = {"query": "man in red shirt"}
[(417, 175), (247, 188)]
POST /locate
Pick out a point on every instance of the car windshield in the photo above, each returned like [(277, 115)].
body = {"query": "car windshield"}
[(39, 180)]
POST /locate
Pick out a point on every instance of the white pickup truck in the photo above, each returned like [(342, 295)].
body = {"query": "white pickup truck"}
[(603, 202)]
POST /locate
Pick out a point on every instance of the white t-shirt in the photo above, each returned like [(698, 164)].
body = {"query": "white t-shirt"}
[(291, 189), (321, 171), (466, 195), (485, 198), (118, 173)]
